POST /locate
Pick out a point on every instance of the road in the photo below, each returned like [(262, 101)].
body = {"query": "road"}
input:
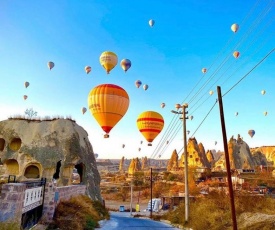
[(124, 221)]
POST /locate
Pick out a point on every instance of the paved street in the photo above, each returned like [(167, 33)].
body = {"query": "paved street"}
[(123, 220)]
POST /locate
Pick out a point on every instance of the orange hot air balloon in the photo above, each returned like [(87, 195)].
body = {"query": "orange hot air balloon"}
[(108, 60), (108, 103), (150, 124), (236, 54)]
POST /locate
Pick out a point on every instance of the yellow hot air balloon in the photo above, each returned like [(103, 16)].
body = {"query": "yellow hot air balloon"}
[(211, 92), (235, 27), (88, 69), (108, 60), (204, 70), (50, 65), (108, 103), (150, 124)]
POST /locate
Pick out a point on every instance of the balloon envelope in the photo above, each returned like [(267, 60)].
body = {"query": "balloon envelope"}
[(211, 92), (151, 22), (236, 54), (251, 132), (150, 124), (191, 117), (25, 97), (204, 70), (145, 87), (162, 105), (265, 113), (83, 110), (88, 69), (108, 103), (123, 145), (50, 65), (263, 92), (108, 60), (236, 113), (26, 84), (125, 64), (235, 27), (138, 83)]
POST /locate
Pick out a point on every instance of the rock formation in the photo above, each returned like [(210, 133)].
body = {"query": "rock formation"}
[(144, 163), (196, 155), (52, 148), (173, 162), (121, 165), (134, 166)]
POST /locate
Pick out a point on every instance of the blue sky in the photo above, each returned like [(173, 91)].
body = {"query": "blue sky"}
[(187, 36)]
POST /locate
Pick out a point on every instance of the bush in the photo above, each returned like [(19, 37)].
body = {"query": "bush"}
[(78, 213), (214, 210)]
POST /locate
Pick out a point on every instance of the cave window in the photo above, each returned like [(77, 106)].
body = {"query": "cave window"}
[(2, 144), (15, 144), (32, 171), (57, 170), (80, 170)]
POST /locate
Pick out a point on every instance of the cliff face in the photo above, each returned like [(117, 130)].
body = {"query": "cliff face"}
[(33, 149), (264, 155)]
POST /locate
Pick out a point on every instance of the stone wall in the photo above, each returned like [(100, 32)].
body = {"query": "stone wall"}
[(53, 195), (11, 201), (13, 194)]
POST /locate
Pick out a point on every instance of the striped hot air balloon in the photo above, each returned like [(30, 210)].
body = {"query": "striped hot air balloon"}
[(108, 103), (150, 124)]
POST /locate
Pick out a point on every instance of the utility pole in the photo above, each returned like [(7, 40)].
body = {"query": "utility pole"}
[(186, 196), (229, 179), (131, 202), (151, 180)]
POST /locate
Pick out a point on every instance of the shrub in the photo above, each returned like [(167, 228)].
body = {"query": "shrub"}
[(77, 213)]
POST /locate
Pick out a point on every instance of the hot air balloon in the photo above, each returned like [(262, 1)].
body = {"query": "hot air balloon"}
[(141, 142), (236, 54), (162, 105), (204, 70), (96, 155), (50, 65), (88, 69), (251, 132), (167, 142), (123, 145), (235, 27), (138, 83), (108, 60), (191, 117), (211, 92), (150, 124), (145, 87), (216, 142), (263, 92), (25, 97), (125, 64), (265, 113), (151, 22), (83, 110), (26, 84), (139, 149), (188, 131), (236, 113), (108, 103)]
